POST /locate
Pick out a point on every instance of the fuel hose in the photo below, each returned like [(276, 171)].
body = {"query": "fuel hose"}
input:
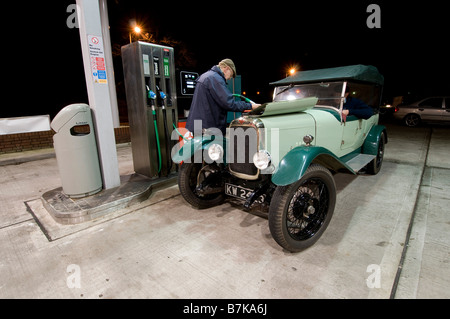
[(246, 99), (179, 132), (157, 140), (166, 129), (152, 96)]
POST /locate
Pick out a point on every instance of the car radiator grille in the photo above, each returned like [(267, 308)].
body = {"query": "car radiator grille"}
[(244, 142)]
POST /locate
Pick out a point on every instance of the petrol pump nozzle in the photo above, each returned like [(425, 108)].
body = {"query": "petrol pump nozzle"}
[(163, 97), (151, 95)]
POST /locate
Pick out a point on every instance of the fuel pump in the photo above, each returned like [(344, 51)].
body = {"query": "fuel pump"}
[(149, 73)]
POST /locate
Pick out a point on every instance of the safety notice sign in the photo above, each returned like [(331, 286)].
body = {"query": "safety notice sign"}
[(97, 57)]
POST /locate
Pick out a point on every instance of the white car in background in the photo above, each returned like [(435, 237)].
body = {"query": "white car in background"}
[(431, 109)]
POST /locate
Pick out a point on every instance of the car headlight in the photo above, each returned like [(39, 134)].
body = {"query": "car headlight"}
[(215, 152), (261, 159)]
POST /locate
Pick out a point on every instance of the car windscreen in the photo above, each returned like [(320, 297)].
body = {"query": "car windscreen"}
[(328, 93)]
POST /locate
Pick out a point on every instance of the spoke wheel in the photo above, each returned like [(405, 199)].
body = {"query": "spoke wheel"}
[(299, 213), (307, 209)]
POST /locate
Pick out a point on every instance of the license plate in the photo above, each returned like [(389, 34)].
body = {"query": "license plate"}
[(241, 192)]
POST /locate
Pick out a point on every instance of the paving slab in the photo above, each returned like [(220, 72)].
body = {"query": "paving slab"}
[(439, 153)]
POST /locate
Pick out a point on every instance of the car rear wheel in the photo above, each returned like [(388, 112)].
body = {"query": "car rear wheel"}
[(375, 165), (299, 213), (412, 120)]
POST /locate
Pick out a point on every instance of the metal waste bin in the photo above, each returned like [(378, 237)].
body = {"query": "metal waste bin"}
[(76, 151)]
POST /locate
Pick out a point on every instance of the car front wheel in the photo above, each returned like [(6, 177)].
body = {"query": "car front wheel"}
[(191, 175), (299, 213)]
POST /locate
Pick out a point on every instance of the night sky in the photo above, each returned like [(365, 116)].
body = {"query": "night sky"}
[(45, 70)]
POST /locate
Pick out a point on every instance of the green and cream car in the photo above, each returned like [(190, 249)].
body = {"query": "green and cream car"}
[(283, 155)]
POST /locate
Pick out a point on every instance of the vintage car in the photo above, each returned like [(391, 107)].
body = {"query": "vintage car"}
[(283, 155)]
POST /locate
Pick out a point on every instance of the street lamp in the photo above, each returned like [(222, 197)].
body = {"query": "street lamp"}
[(136, 30), (291, 70)]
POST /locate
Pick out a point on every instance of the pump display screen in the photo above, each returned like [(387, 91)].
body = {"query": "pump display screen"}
[(188, 82)]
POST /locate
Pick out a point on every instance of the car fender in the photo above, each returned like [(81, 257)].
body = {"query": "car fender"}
[(370, 145), (190, 147), (295, 163)]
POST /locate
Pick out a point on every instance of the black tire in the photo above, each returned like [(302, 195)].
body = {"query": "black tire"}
[(412, 120), (299, 213), (187, 182), (375, 165)]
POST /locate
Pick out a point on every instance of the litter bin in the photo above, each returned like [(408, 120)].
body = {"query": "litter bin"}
[(76, 151)]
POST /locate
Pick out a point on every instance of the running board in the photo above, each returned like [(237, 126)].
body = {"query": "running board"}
[(359, 161)]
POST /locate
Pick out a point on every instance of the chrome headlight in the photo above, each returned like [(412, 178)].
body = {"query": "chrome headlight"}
[(215, 152), (261, 159)]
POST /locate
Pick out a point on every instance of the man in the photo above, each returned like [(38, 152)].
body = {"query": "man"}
[(356, 107), (212, 99)]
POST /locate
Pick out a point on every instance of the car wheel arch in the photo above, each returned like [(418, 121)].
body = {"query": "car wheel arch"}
[(295, 163), (370, 145)]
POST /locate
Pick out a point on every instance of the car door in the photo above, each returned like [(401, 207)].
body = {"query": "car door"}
[(352, 134), (431, 109)]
